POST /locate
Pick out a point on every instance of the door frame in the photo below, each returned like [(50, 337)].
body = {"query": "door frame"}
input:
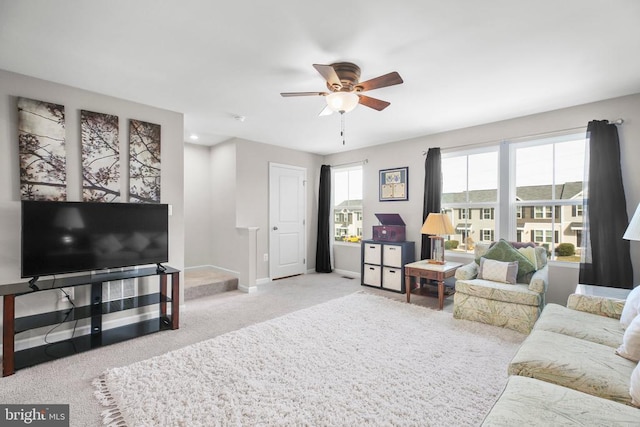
[(304, 215)]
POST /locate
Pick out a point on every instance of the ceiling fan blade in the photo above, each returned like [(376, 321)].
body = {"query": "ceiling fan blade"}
[(329, 74), (286, 94), (326, 111), (390, 79), (376, 104)]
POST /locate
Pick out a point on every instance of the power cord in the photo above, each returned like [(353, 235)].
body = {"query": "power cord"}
[(66, 317)]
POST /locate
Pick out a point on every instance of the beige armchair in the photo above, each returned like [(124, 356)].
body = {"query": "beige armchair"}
[(515, 306)]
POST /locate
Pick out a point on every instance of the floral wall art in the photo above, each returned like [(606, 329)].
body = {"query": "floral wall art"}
[(41, 140), (100, 157), (144, 162)]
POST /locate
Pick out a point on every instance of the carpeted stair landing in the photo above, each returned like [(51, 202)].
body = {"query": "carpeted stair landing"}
[(207, 281)]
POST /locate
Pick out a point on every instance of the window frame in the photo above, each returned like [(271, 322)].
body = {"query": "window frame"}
[(551, 208), (345, 215), (465, 209), (509, 211)]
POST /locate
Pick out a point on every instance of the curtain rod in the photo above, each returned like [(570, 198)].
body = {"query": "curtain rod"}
[(364, 162), (479, 144)]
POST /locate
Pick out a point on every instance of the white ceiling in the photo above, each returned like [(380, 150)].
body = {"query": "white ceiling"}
[(464, 62)]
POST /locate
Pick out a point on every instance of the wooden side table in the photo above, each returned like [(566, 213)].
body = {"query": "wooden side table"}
[(423, 269)]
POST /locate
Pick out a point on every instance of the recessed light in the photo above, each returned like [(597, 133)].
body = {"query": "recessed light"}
[(193, 137)]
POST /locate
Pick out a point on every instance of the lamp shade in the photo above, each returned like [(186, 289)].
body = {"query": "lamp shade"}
[(633, 230), (342, 102), (437, 223)]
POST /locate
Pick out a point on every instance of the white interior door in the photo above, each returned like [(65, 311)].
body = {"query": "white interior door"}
[(287, 211)]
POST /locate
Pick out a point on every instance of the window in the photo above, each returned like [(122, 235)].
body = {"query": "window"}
[(539, 200), (542, 236), (542, 212), (576, 210), (518, 212), (487, 235), (347, 208), (548, 180), (470, 183)]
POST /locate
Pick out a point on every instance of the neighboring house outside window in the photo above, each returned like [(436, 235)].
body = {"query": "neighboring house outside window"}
[(545, 176), (470, 194), (487, 235), (347, 210)]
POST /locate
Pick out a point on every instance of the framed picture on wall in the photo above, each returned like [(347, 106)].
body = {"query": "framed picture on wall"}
[(394, 184)]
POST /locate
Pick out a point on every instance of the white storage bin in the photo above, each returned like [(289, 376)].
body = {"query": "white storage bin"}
[(392, 256), (392, 278), (371, 275), (372, 253)]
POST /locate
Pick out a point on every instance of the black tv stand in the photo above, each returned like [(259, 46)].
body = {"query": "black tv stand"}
[(168, 316), (160, 268)]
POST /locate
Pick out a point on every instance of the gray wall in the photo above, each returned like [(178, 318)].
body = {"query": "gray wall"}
[(197, 195), (15, 85), (409, 153)]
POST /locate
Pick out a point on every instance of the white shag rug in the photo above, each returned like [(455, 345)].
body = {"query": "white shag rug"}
[(357, 360)]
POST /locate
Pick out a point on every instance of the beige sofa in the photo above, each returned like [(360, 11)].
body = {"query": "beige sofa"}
[(567, 371)]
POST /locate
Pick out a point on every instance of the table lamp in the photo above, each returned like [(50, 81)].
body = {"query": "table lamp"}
[(436, 225), (633, 230)]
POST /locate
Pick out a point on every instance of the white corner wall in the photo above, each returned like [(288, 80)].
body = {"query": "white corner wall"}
[(13, 86), (197, 197), (233, 195), (252, 186), (563, 278)]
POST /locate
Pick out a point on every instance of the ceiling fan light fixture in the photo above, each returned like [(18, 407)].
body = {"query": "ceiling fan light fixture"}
[(342, 102)]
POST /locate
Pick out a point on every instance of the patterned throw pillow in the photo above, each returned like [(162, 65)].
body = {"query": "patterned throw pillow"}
[(530, 253), (541, 256), (498, 271), (503, 251)]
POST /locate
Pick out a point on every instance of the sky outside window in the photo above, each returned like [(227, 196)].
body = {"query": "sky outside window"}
[(347, 185)]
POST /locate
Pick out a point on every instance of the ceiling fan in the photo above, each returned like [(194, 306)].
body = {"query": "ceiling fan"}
[(343, 82)]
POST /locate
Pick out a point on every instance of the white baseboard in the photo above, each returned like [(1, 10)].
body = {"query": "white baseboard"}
[(247, 289)]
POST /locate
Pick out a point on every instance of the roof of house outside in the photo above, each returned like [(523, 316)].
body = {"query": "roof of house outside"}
[(350, 204), (566, 191)]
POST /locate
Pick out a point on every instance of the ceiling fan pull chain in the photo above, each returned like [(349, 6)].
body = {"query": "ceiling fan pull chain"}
[(342, 126)]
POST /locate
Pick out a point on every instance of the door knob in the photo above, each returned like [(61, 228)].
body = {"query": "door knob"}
[(275, 228)]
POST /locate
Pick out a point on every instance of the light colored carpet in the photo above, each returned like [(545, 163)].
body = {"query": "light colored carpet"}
[(359, 359), (201, 282)]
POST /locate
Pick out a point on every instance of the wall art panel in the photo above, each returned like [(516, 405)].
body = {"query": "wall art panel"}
[(100, 157), (41, 140), (144, 162)]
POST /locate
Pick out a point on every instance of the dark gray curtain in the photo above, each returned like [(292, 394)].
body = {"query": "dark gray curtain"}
[(432, 193), (323, 248), (606, 260)]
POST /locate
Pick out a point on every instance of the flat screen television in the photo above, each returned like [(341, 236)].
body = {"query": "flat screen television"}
[(69, 237)]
